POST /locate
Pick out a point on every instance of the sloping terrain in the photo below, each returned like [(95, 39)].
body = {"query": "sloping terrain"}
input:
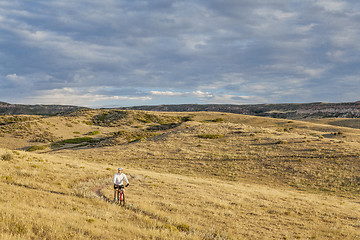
[(202, 175)]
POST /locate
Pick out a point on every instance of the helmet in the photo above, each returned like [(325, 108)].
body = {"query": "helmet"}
[(119, 169)]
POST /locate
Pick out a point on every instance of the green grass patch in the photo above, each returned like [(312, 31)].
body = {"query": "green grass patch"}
[(36, 148), (75, 141), (88, 122), (78, 140), (210, 136), (94, 133)]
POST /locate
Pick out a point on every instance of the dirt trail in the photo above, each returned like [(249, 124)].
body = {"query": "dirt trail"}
[(97, 191)]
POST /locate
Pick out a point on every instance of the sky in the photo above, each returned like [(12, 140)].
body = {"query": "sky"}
[(114, 53)]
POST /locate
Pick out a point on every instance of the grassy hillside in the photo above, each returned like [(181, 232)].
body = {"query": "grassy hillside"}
[(193, 176)]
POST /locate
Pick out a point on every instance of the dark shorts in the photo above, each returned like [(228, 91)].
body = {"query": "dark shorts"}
[(118, 186)]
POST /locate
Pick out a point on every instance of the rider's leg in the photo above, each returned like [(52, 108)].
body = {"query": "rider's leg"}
[(115, 195)]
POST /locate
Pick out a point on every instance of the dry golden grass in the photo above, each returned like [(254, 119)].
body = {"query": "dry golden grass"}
[(259, 178)]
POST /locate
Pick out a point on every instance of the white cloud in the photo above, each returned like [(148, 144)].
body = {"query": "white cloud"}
[(195, 42), (225, 80), (331, 5), (346, 37), (140, 72), (125, 98), (275, 14), (305, 29), (197, 93), (236, 99), (311, 72), (202, 94), (15, 77), (81, 97), (67, 47), (336, 54), (298, 69), (166, 93)]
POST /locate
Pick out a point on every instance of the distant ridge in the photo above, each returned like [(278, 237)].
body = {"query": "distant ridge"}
[(20, 109), (285, 111)]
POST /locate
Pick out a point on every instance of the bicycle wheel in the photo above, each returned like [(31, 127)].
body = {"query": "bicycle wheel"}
[(122, 198), (118, 196)]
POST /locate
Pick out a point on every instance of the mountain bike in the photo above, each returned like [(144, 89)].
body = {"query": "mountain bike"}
[(120, 194)]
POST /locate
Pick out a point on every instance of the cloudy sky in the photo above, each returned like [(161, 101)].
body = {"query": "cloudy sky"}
[(107, 53)]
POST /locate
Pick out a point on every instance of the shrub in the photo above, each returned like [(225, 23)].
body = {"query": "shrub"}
[(7, 179), (218, 120), (186, 119), (170, 227), (88, 122), (18, 228), (163, 127), (138, 138), (7, 157), (144, 120), (183, 227), (288, 129), (120, 133), (281, 142), (44, 137), (338, 133)]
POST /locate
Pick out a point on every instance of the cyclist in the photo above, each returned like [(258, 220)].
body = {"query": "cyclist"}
[(119, 177)]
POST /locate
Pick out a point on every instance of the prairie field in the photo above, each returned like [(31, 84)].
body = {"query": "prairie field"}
[(198, 175)]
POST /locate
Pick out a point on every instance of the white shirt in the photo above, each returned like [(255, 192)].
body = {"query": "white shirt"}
[(118, 179)]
